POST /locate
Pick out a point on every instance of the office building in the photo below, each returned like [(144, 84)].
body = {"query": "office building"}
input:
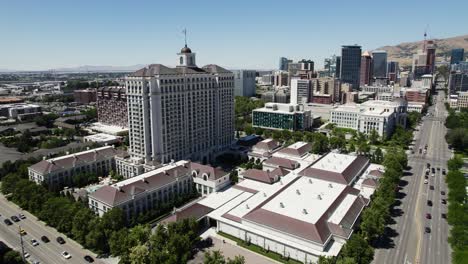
[(416, 95), (351, 65), (462, 101), (457, 56), (379, 64), (59, 172), (393, 71), (431, 56), (178, 113), (112, 106), (85, 96), (281, 78), (338, 67), (20, 111), (458, 81), (244, 83), (382, 116), (366, 69), (301, 91), (282, 116), (283, 64)]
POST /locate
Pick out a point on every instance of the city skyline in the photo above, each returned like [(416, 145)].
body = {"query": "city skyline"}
[(123, 34)]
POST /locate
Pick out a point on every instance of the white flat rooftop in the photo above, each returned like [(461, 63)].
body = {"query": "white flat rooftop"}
[(108, 129), (297, 145), (334, 162), (312, 195), (101, 137), (342, 209)]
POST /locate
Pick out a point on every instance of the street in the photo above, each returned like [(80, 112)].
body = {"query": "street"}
[(408, 242), (47, 253)]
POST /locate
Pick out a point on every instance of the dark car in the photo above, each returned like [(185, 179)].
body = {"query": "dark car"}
[(428, 216), (7, 222), (433, 170), (60, 240), (427, 229), (431, 187), (444, 201), (89, 259), (438, 168), (444, 172), (442, 192), (426, 177), (45, 239), (428, 165), (15, 218), (429, 202), (444, 216)]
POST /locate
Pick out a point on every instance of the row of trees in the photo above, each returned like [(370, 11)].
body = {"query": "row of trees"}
[(359, 248), (72, 218), (457, 210), (457, 123)]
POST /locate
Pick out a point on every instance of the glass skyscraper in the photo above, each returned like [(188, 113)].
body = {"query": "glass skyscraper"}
[(351, 65), (457, 56)]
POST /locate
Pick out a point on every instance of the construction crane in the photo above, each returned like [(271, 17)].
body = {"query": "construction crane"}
[(425, 35)]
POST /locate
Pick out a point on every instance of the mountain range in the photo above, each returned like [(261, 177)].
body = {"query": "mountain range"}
[(403, 52)]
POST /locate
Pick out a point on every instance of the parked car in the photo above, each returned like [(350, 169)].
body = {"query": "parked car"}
[(444, 172), (431, 187), (22, 216), (89, 259), (428, 216), (426, 181), (444, 216), (26, 255), (7, 222), (66, 255), (45, 239), (442, 192), (444, 201), (433, 170), (427, 229), (60, 240), (15, 218), (23, 232), (429, 202)]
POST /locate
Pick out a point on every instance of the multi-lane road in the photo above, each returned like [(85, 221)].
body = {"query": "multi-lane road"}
[(47, 253), (410, 241)]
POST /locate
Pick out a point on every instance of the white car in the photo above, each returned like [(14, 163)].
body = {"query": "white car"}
[(426, 181), (433, 174), (34, 242), (26, 255), (66, 255), (22, 216)]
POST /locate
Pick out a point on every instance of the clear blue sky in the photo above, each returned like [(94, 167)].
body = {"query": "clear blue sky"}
[(45, 34)]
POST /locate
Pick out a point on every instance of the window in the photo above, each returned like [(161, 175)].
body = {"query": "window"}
[(181, 60)]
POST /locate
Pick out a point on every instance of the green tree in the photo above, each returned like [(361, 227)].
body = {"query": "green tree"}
[(80, 224), (320, 143), (373, 137), (455, 163), (248, 129), (12, 257), (214, 257), (326, 260), (358, 249), (346, 260), (139, 254), (118, 242)]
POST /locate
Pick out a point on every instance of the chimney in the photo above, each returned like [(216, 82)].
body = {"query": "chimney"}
[(319, 197), (87, 148), (67, 152), (44, 157)]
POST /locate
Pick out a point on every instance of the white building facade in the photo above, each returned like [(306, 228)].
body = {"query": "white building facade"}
[(178, 113)]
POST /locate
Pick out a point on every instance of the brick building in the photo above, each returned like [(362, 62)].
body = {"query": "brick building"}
[(85, 96)]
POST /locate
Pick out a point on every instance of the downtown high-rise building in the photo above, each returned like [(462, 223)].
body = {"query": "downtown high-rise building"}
[(457, 56), (431, 56), (366, 69), (351, 65), (393, 70), (379, 64), (283, 64), (177, 113)]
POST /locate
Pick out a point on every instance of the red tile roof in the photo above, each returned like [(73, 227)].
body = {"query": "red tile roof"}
[(376, 173), (299, 152), (265, 176), (282, 162), (74, 160), (345, 177), (195, 210), (213, 173), (370, 183)]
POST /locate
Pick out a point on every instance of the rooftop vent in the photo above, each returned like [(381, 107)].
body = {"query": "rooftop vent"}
[(264, 194), (298, 192), (281, 205), (304, 211), (319, 197), (281, 182), (330, 185), (310, 181), (247, 206)]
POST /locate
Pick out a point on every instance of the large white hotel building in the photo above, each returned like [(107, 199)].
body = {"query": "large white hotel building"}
[(177, 113)]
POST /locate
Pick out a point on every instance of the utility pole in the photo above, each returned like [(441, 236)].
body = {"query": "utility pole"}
[(22, 245)]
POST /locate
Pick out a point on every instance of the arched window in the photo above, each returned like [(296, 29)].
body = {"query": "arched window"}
[(181, 60), (194, 174), (205, 178), (190, 60)]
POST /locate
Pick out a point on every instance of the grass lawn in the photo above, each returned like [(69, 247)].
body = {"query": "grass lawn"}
[(260, 250)]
